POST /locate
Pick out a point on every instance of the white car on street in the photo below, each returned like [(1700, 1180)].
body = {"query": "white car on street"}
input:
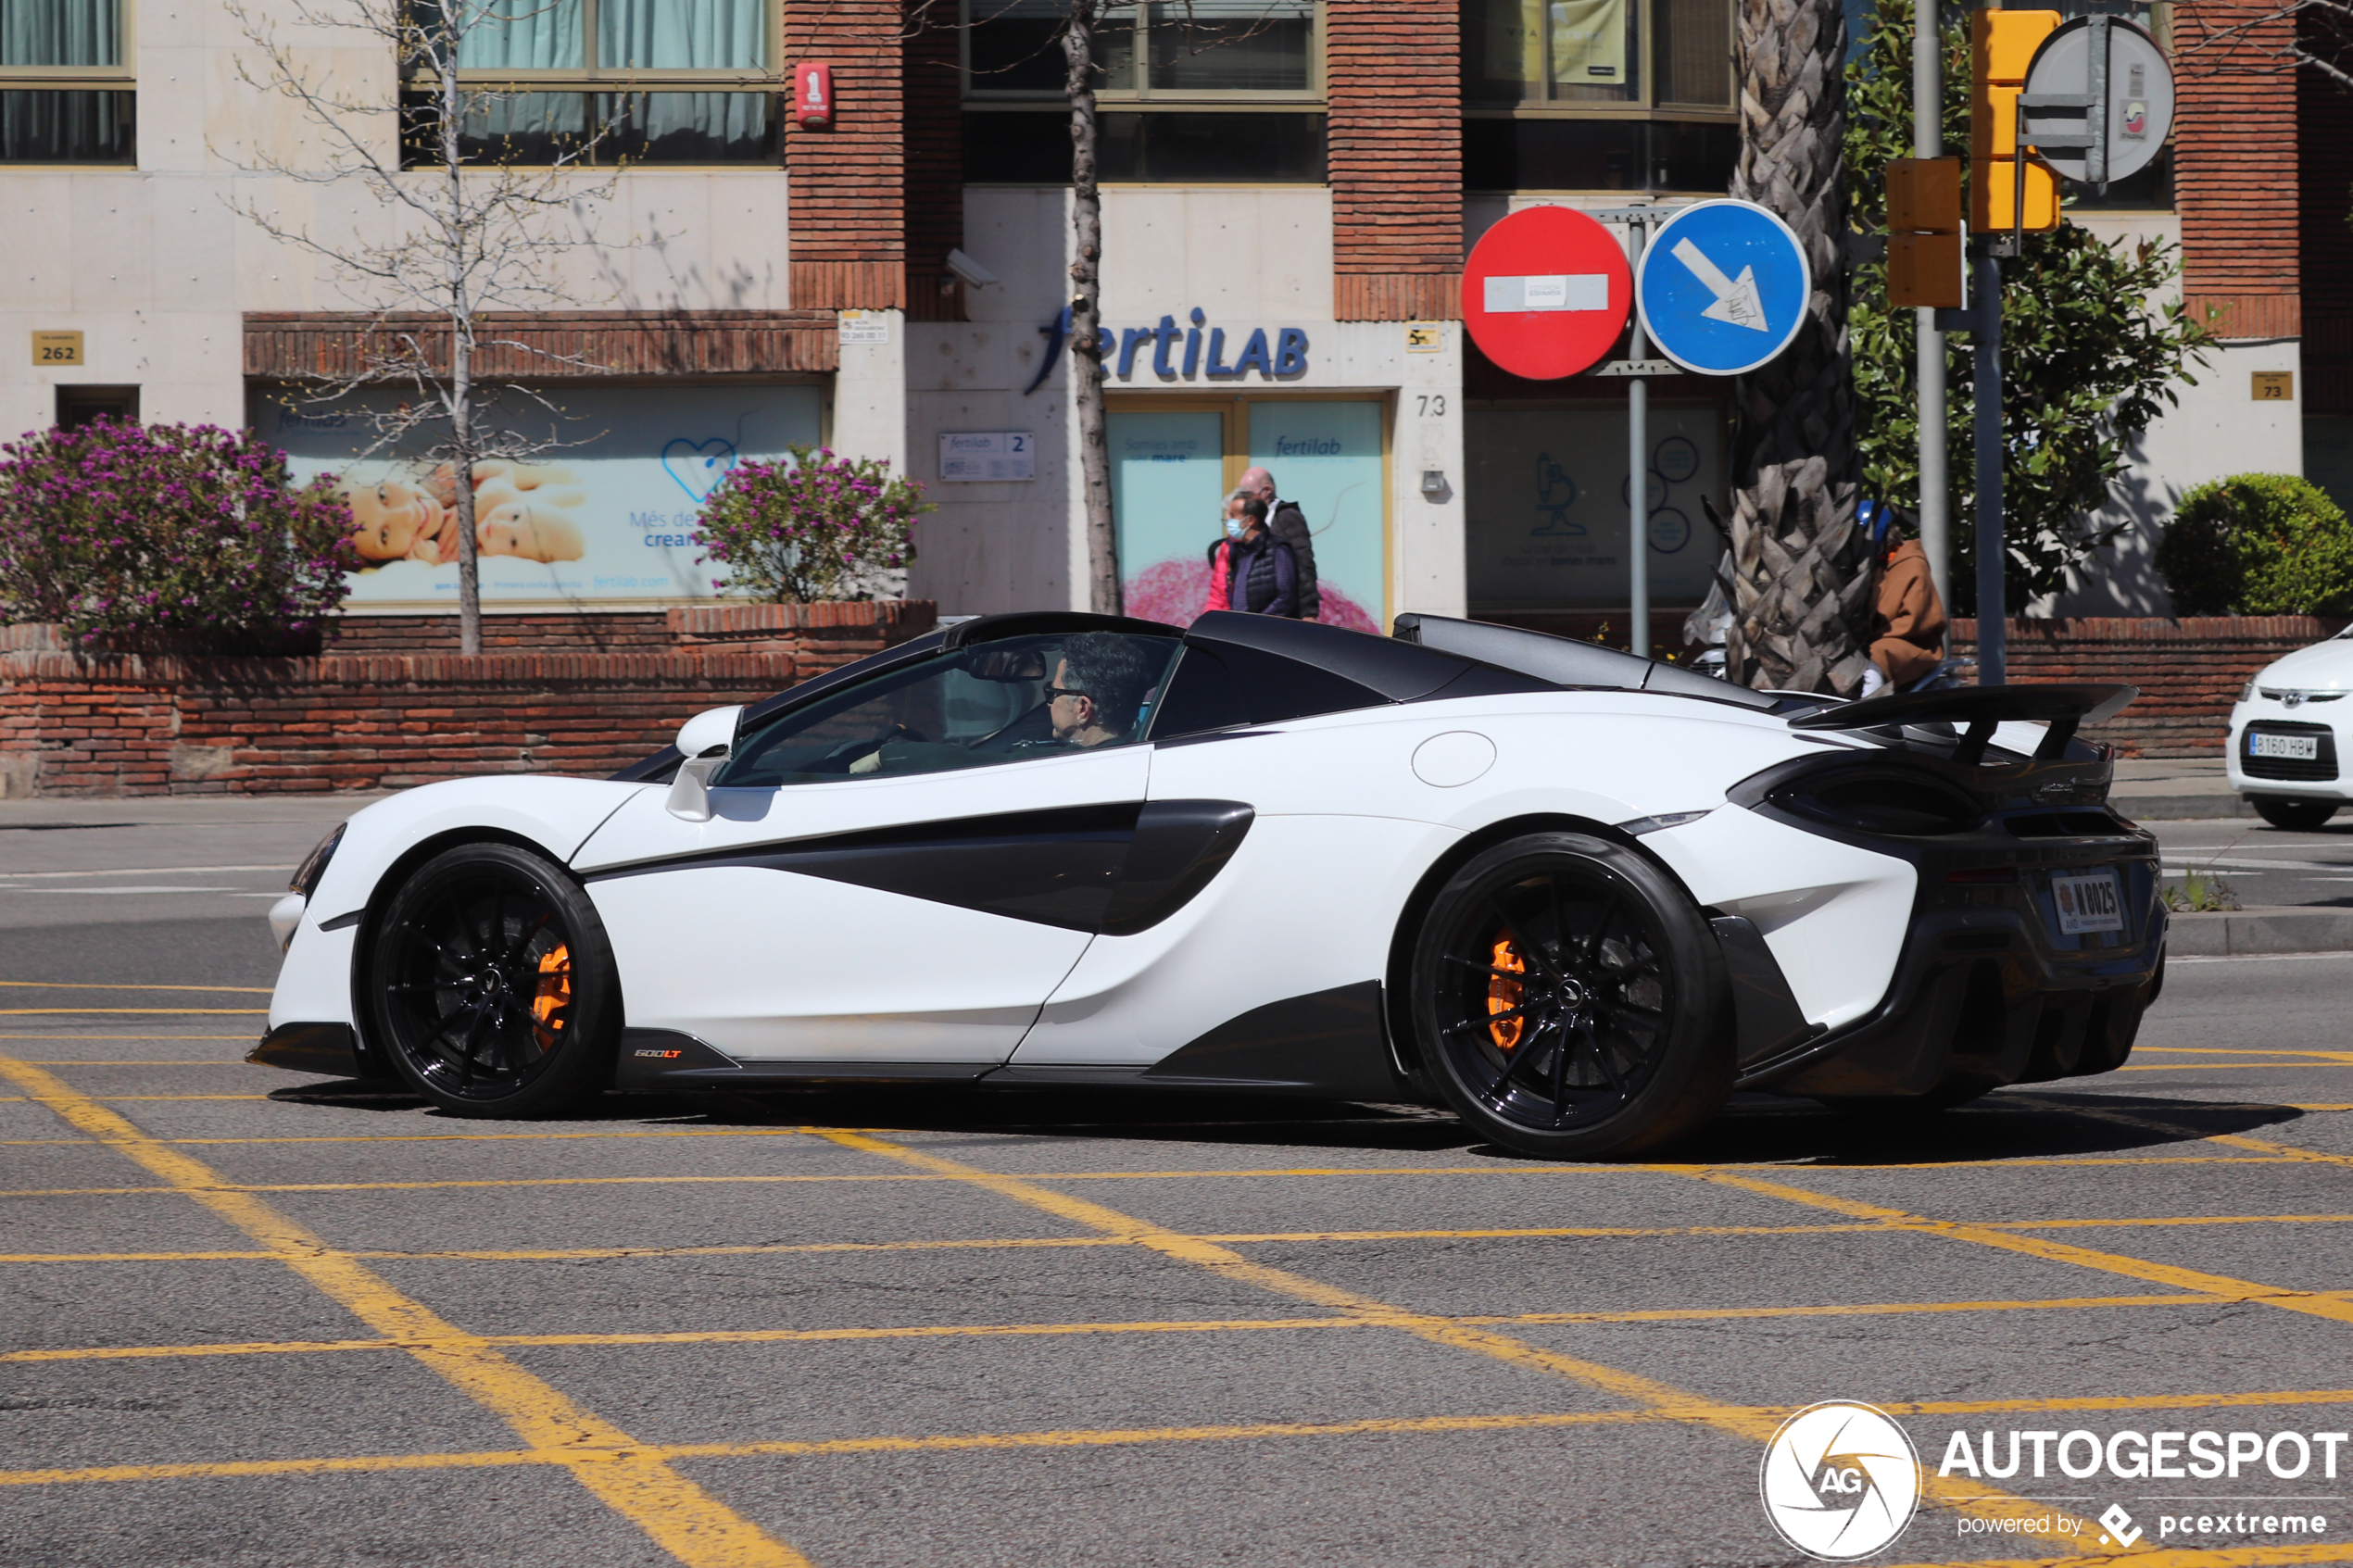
[(2287, 731), (1577, 896)]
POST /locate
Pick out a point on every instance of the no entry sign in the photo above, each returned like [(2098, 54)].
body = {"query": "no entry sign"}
[(1546, 293)]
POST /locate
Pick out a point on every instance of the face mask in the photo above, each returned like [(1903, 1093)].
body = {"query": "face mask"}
[(1233, 528)]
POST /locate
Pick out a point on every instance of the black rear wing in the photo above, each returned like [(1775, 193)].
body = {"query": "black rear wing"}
[(1981, 709)]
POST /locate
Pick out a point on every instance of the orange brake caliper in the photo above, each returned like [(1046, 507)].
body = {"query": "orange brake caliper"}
[(553, 996), (1504, 995)]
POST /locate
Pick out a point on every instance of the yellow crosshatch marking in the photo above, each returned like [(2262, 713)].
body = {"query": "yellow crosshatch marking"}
[(638, 1481), (679, 1515)]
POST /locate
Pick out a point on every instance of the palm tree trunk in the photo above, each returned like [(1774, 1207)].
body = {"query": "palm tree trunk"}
[(1087, 310), (1802, 571)]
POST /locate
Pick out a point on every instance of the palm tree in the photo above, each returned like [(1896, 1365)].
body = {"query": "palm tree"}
[(1802, 571)]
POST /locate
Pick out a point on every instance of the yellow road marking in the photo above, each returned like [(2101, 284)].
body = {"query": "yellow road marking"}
[(116, 1099), (756, 1249), (2239, 1050), (2311, 1303), (672, 1510), (1664, 1398), (2229, 1140), (83, 985), (1764, 1416), (1052, 1330), (1042, 1176)]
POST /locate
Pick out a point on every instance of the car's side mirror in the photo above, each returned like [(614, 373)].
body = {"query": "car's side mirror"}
[(704, 742)]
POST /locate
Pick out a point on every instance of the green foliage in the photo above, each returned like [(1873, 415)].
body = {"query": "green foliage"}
[(2259, 544), (189, 534), (2086, 362), (2199, 894), (817, 527)]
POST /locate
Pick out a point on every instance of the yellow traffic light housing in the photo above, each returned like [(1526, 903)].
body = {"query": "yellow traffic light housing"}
[(2002, 45)]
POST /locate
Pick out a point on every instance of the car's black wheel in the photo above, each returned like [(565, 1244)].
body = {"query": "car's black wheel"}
[(491, 985), (1569, 999), (2296, 816)]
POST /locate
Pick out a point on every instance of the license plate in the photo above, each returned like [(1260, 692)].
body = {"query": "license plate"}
[(2291, 748), (2087, 901)]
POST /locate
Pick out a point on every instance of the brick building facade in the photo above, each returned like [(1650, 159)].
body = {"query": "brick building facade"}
[(1290, 189)]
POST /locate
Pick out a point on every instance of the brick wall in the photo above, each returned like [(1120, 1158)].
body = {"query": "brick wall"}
[(933, 63), (2189, 671), (2235, 161), (1395, 156), (835, 631), (849, 182), (121, 724), (561, 344)]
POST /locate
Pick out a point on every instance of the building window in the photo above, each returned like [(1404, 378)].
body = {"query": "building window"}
[(1193, 91), (65, 83), (1598, 94), (610, 82), (79, 405)]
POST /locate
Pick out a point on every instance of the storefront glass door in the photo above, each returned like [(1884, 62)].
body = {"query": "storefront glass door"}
[(1173, 465)]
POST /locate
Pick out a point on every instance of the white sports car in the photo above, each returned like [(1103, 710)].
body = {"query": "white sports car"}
[(1575, 895)]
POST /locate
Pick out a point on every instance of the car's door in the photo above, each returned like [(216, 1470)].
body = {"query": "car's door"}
[(899, 872)]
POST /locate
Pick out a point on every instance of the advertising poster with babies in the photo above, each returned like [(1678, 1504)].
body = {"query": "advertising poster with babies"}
[(607, 511)]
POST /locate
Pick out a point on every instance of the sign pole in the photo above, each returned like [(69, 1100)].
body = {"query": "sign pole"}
[(1993, 631), (1638, 475), (1936, 490)]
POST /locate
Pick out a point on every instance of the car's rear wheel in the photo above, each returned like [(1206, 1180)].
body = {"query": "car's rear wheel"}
[(1569, 999), (2296, 816), (491, 984)]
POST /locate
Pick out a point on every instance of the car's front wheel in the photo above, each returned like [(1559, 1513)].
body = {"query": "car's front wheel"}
[(491, 985), (1570, 1000), (2296, 816)]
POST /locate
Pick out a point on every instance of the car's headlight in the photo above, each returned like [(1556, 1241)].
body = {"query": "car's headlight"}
[(314, 865), (2248, 695)]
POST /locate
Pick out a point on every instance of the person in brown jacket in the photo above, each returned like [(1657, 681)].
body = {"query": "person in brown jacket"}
[(1907, 627)]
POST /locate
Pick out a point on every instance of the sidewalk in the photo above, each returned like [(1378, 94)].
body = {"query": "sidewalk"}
[(2174, 789)]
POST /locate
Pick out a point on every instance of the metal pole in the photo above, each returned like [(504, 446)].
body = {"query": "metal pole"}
[(1638, 469), (1992, 630), (1936, 489)]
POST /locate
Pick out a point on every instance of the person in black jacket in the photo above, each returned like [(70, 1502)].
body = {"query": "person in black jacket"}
[(1260, 575), (1288, 524)]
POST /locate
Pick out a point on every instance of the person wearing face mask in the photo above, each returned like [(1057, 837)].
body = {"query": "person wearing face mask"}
[(1249, 568)]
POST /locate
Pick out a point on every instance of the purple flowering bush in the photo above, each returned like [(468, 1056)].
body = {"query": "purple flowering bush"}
[(188, 530), (819, 527)]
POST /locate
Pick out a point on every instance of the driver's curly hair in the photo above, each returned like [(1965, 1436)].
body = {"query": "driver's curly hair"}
[(1111, 670)]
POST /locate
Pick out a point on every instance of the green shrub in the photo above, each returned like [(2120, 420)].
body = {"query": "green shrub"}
[(191, 533), (2259, 544), (816, 527)]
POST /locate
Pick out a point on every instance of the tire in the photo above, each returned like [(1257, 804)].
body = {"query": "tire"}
[(1619, 1038), (491, 985), (2295, 816)]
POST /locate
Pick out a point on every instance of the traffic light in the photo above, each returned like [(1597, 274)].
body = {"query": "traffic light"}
[(2002, 45), (1924, 264)]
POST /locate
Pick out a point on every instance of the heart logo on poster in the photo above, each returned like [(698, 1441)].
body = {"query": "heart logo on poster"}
[(697, 466)]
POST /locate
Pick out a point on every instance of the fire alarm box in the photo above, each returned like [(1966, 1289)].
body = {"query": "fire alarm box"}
[(812, 96)]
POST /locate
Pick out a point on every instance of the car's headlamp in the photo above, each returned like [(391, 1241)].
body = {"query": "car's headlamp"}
[(2248, 692), (314, 865)]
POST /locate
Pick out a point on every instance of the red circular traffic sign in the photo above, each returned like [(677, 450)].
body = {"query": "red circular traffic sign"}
[(1546, 293)]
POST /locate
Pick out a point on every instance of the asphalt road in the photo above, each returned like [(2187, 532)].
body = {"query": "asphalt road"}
[(252, 1318), (2263, 864)]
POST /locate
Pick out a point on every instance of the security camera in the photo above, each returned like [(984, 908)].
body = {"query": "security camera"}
[(974, 274)]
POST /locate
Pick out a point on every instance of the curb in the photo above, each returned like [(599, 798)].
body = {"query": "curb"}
[(2278, 929), (2207, 806)]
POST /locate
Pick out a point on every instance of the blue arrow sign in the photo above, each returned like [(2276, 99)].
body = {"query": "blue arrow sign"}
[(1723, 287)]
